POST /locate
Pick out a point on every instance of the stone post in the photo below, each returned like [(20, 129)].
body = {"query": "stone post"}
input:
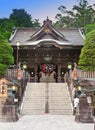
[(59, 73), (36, 76)]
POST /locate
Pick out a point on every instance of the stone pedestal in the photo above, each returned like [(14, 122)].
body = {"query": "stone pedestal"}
[(83, 111), (9, 111)]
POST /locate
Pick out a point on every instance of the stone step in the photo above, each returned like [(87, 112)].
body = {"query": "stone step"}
[(57, 97), (33, 105), (33, 112), (34, 98), (60, 103), (59, 107), (35, 91), (33, 102), (60, 112)]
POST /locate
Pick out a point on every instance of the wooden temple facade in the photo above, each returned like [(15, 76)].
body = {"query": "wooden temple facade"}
[(47, 49)]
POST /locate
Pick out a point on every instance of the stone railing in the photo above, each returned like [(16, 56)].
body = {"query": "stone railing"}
[(76, 77), (69, 81), (13, 74), (18, 79), (85, 74)]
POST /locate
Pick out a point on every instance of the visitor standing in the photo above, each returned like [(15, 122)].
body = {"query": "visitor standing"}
[(76, 101)]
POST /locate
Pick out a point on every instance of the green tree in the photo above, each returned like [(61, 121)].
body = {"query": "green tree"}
[(88, 28), (87, 56), (6, 27), (65, 19), (80, 15), (85, 14), (6, 55), (36, 23), (21, 18)]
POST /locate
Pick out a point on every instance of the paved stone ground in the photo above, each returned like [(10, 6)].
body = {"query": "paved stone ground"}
[(46, 122)]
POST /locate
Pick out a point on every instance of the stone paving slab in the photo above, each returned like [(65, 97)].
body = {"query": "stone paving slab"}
[(46, 122)]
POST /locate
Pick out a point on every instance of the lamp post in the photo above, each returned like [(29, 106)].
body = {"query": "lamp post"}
[(69, 73), (17, 55), (79, 90), (24, 79), (69, 65), (24, 65)]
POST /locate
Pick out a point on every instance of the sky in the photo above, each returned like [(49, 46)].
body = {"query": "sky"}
[(38, 9)]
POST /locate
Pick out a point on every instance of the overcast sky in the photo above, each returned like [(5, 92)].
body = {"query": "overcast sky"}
[(39, 9)]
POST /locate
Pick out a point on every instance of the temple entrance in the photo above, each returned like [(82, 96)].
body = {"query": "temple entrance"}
[(47, 73), (46, 50)]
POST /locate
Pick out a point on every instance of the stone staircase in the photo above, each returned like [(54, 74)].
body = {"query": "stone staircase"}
[(59, 99), (38, 95), (34, 100)]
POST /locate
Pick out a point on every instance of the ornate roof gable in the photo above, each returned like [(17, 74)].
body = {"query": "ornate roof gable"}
[(47, 31)]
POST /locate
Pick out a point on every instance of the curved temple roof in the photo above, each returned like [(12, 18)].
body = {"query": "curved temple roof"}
[(47, 33)]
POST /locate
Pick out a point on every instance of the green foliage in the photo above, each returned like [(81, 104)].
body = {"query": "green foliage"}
[(88, 28), (65, 19), (3, 67), (36, 23), (2, 38), (85, 14), (80, 15), (6, 55), (22, 19), (6, 27), (87, 56), (19, 18)]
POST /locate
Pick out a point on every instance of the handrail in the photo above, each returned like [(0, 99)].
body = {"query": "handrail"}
[(68, 79), (85, 74), (47, 98)]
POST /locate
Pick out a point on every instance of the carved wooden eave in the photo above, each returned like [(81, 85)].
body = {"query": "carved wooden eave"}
[(47, 31), (48, 43)]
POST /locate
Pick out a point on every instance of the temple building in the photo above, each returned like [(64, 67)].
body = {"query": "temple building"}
[(47, 49)]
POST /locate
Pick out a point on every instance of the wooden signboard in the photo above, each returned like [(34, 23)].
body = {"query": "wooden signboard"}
[(3, 88)]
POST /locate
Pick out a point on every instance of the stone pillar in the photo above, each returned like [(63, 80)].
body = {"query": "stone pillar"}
[(83, 111), (59, 73)]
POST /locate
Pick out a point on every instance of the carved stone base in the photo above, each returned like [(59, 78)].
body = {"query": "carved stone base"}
[(83, 112)]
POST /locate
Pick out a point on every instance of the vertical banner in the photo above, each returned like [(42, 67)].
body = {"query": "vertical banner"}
[(19, 74)]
